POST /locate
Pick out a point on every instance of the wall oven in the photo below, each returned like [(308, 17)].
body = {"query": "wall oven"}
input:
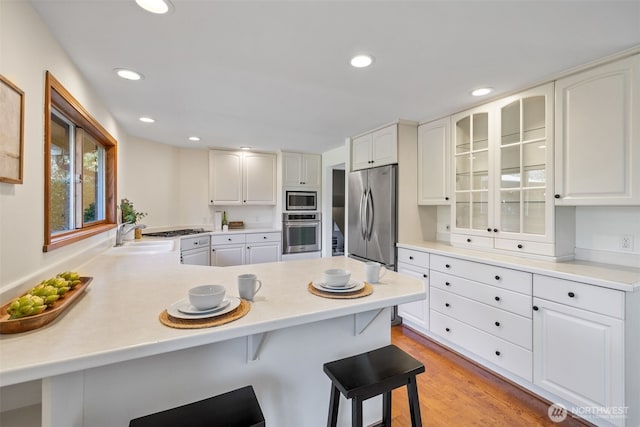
[(301, 232), (301, 200)]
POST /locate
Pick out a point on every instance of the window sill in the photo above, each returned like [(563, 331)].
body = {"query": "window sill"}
[(75, 236)]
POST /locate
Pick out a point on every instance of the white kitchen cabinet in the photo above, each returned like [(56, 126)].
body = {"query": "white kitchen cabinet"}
[(377, 148), (263, 247), (503, 161), (241, 178), (415, 314), (195, 250), (301, 170), (434, 158), (228, 249), (598, 135), (579, 355)]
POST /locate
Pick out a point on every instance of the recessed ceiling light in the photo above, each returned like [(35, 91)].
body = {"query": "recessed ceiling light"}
[(194, 138), (245, 147), (482, 91), (361, 61), (147, 119), (128, 74), (155, 6)]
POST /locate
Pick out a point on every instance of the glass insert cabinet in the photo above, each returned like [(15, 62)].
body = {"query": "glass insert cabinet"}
[(503, 154)]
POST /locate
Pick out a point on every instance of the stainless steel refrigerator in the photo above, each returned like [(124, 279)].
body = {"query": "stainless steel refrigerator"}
[(372, 215)]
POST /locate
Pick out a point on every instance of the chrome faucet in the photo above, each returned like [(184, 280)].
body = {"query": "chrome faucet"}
[(123, 229)]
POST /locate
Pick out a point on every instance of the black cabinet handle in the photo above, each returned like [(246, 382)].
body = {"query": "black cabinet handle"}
[(447, 284), (495, 230), (497, 353), (497, 277), (489, 230), (468, 240), (213, 250), (446, 304), (244, 201), (410, 257), (447, 266), (557, 196), (425, 276), (264, 237), (446, 198), (535, 308), (195, 243), (520, 246), (497, 298), (447, 329), (248, 247), (229, 239), (211, 201), (571, 294), (497, 324)]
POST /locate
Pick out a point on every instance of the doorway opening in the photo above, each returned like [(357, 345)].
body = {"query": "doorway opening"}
[(337, 212)]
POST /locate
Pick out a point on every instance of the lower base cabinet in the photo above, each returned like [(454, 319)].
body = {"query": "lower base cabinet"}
[(249, 248), (227, 255), (415, 313)]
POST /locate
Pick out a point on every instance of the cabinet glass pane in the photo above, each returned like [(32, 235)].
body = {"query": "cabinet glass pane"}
[(463, 172), (480, 210), (510, 167), (534, 211), (463, 135), (533, 160), (510, 211), (510, 131), (480, 131), (480, 170), (463, 219), (533, 115)]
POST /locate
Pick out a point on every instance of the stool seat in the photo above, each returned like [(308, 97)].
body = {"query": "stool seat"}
[(237, 408), (370, 374)]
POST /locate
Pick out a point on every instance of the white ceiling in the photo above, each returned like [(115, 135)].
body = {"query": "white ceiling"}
[(276, 74)]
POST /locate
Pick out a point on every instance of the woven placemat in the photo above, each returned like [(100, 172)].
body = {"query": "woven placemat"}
[(367, 290), (174, 322)]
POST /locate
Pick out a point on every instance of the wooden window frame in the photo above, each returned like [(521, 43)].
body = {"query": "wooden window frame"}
[(56, 96)]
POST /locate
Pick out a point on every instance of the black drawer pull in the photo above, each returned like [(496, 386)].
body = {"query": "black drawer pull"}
[(520, 246), (447, 329), (489, 230), (497, 277), (497, 298), (447, 266), (446, 198), (229, 239), (497, 353), (497, 324), (557, 196), (495, 230), (571, 294), (446, 304), (468, 240), (535, 308), (410, 257), (447, 284), (264, 237), (425, 276)]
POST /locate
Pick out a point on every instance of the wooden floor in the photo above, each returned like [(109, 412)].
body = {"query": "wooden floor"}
[(456, 392)]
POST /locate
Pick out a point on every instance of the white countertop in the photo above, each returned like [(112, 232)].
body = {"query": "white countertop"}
[(117, 318), (605, 275)]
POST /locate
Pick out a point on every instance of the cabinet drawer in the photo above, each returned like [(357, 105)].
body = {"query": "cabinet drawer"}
[(508, 326), (535, 248), (504, 299), (227, 239), (492, 349), (413, 257), (469, 241), (514, 280), (263, 237), (194, 242), (581, 295)]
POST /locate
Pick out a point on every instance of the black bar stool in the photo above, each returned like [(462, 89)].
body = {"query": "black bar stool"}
[(237, 408), (370, 374)]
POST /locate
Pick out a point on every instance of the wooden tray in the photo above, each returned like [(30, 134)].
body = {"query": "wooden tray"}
[(29, 323)]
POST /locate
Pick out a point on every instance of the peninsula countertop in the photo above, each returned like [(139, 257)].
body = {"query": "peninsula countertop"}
[(117, 318)]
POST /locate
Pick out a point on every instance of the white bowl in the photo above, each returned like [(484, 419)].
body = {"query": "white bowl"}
[(337, 277), (206, 296)]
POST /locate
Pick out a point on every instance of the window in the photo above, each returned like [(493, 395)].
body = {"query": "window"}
[(80, 163)]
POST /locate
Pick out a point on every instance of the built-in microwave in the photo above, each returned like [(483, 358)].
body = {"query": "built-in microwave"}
[(301, 200)]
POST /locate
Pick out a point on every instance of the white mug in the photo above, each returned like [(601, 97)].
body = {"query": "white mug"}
[(373, 270), (247, 286)]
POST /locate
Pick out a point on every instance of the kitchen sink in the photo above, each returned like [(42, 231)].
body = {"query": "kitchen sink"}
[(144, 247)]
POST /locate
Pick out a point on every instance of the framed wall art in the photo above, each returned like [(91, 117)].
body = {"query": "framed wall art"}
[(11, 132)]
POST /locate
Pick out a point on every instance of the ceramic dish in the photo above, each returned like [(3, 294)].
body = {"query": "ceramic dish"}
[(190, 309), (352, 287), (174, 310)]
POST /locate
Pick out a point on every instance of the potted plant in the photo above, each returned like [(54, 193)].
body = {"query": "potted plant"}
[(130, 215)]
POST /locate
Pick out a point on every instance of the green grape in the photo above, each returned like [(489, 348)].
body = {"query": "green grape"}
[(50, 299)]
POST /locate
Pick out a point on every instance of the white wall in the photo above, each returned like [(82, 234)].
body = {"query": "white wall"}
[(27, 50)]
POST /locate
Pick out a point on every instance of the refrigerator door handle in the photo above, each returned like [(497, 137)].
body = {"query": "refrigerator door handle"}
[(370, 215), (362, 215)]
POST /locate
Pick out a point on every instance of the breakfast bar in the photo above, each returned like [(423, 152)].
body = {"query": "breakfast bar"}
[(109, 359)]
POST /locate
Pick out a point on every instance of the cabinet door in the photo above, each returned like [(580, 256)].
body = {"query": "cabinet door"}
[(259, 172), (224, 256), (578, 355), (384, 146), (311, 170), (225, 178), (598, 136), (416, 312), (523, 165), (292, 169), (361, 152), (257, 254), (434, 157), (196, 257), (472, 211)]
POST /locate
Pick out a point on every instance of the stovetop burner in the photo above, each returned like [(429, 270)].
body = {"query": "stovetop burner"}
[(174, 233)]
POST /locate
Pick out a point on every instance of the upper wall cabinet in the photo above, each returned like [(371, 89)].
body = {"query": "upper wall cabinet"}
[(301, 170), (598, 135), (434, 157), (503, 159), (374, 149), (242, 178)]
